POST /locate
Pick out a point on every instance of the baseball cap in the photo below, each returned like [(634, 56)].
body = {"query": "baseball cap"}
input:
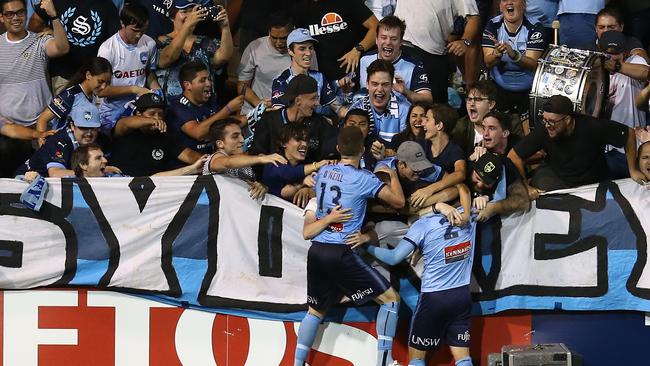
[(413, 155), (149, 100), (299, 35), (612, 40), (558, 104), (489, 167), (85, 116), (299, 84)]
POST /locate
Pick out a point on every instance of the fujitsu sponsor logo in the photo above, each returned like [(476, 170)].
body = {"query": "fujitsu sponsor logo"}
[(361, 294), (329, 23), (464, 336)]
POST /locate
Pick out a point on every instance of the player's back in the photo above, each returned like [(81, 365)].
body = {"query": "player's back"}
[(350, 187), (447, 250)]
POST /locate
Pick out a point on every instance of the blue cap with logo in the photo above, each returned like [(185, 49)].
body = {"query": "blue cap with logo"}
[(299, 35), (85, 116)]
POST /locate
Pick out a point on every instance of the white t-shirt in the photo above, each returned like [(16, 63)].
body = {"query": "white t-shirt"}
[(622, 90), (429, 22), (261, 63), (130, 65)]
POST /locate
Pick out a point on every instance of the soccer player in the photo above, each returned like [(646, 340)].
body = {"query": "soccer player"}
[(445, 301), (332, 267)]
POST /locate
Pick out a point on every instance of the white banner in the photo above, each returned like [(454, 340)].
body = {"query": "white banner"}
[(202, 242)]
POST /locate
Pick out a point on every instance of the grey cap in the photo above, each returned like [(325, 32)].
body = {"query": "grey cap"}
[(413, 155)]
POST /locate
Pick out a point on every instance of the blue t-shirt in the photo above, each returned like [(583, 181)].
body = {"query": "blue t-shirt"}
[(62, 104), (448, 251), (326, 94), (350, 187), (447, 158), (389, 123), (409, 68), (508, 74), (276, 177), (181, 111), (55, 153)]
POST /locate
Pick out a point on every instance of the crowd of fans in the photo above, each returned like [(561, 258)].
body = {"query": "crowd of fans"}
[(440, 90), (154, 74)]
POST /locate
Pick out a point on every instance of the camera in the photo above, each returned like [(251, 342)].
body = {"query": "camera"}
[(213, 11)]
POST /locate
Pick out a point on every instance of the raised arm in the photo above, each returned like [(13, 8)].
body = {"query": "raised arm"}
[(58, 46)]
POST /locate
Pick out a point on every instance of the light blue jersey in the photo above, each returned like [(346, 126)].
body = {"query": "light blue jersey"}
[(448, 251), (391, 121), (507, 73), (350, 187)]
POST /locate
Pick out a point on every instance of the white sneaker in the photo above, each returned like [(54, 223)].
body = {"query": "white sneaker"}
[(395, 363)]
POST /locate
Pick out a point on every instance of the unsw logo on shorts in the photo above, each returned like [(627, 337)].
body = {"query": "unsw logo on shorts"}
[(458, 252)]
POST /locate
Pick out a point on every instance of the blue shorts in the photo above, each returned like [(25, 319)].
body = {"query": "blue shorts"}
[(334, 270), (441, 314)]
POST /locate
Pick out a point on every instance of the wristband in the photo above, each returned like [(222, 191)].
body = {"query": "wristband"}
[(314, 165), (518, 56), (229, 110), (435, 210)]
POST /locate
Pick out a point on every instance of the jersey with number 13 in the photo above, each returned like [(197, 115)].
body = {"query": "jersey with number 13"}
[(350, 187)]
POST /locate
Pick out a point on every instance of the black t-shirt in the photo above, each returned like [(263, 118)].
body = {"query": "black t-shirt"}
[(139, 154), (447, 158), (88, 24), (578, 159), (322, 136), (159, 21), (337, 25)]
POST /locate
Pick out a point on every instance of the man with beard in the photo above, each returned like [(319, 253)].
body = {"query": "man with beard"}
[(301, 98), (191, 115), (575, 148), (497, 187), (412, 80), (142, 146), (388, 110)]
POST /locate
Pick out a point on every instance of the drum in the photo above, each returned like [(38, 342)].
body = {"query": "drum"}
[(576, 74)]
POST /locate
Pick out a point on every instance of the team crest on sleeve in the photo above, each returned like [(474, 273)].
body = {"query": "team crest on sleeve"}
[(144, 57)]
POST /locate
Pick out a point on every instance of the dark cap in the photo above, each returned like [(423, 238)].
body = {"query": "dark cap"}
[(558, 104), (413, 155), (612, 40), (489, 167), (149, 100), (300, 84)]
